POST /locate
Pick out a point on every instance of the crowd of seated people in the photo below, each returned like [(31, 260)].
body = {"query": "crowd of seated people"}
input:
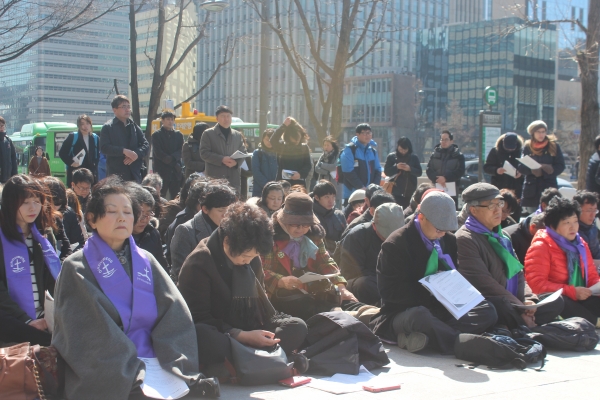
[(178, 280)]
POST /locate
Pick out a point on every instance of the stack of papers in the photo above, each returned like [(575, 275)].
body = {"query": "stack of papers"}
[(509, 169), (287, 173), (454, 292), (79, 157), (595, 289), (161, 384), (449, 188), (238, 154), (49, 311), (312, 277), (529, 162), (554, 296), (344, 383)]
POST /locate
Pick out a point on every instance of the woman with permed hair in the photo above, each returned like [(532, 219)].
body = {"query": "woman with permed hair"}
[(559, 259), (294, 156), (222, 282)]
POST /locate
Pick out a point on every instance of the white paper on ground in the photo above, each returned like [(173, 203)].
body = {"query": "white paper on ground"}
[(239, 154), (449, 189), (510, 170), (287, 173), (595, 289), (454, 292), (343, 383), (529, 162), (49, 311), (311, 277), (161, 384), (554, 296), (79, 157)]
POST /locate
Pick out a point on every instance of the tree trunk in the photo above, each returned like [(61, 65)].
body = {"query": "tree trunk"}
[(590, 116), (133, 84), (157, 79)]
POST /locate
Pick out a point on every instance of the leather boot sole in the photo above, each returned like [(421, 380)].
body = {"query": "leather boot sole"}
[(413, 342)]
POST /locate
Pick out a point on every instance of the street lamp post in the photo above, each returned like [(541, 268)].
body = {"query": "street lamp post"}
[(422, 92)]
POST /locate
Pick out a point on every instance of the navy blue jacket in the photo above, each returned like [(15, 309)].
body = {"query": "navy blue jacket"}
[(264, 169)]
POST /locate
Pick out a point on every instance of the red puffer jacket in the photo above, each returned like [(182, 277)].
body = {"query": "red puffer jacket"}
[(546, 266)]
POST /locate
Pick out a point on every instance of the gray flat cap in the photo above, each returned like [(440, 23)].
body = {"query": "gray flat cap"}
[(387, 218), (481, 192), (440, 210)]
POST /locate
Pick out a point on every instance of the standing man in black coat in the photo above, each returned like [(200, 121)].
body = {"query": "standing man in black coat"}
[(86, 140), (123, 142), (166, 155), (592, 177), (447, 163), (8, 155)]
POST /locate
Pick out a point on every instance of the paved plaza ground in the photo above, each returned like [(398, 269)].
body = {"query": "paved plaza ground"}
[(567, 375)]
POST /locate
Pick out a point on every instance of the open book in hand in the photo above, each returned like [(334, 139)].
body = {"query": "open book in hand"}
[(238, 154), (554, 296), (454, 292)]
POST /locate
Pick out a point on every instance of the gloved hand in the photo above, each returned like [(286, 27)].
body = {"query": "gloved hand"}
[(537, 172), (547, 168)]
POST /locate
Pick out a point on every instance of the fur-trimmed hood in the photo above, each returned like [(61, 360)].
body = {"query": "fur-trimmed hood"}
[(316, 232), (501, 148)]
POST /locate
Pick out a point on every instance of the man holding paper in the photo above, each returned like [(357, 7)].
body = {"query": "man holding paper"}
[(487, 259), (409, 313), (218, 144), (501, 163)]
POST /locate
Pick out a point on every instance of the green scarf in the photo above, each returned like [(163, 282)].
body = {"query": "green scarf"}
[(433, 263), (576, 278)]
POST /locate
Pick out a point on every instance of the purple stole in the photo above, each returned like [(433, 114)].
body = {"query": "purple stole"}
[(18, 273), (135, 302)]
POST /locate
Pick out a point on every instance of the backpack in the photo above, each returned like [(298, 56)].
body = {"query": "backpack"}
[(570, 334), (498, 351), (339, 173), (76, 136), (339, 343)]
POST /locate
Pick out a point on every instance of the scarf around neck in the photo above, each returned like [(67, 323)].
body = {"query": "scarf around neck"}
[(503, 249), (299, 250), (18, 274), (437, 253), (575, 252)]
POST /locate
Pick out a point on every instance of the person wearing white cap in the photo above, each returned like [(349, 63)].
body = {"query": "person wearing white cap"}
[(360, 250), (409, 314)]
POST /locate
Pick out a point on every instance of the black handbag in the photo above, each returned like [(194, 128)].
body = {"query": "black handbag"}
[(259, 367)]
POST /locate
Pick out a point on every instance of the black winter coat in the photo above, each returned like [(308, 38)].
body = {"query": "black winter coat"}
[(91, 159), (72, 227), (401, 264), (406, 182), (533, 186), (592, 178), (149, 240), (496, 158), (360, 250), (290, 156), (8, 159), (334, 223), (166, 154), (449, 163), (114, 137)]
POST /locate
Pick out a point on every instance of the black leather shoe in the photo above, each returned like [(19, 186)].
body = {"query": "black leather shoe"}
[(208, 387), (300, 363)]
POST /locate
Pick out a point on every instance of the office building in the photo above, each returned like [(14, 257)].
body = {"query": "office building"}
[(460, 61), (67, 76)]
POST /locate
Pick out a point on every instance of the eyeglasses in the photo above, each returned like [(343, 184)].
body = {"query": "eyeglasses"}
[(83, 189), (146, 216), (444, 140), (592, 211), (300, 226), (493, 206), (125, 107)]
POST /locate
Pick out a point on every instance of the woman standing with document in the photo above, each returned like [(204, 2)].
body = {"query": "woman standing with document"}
[(83, 141), (543, 149)]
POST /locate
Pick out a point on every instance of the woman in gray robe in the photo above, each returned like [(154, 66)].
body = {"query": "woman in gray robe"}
[(92, 332)]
